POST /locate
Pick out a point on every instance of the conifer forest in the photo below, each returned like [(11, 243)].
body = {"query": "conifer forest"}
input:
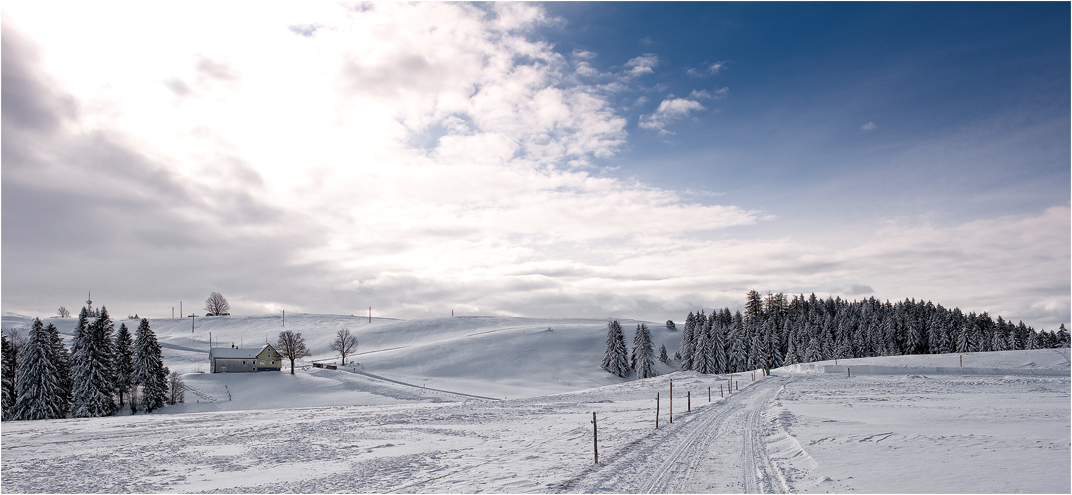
[(775, 331)]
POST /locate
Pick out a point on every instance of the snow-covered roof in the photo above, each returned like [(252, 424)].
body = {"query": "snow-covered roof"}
[(246, 353)]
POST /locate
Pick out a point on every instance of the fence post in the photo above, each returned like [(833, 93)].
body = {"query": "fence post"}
[(595, 440), (671, 402), (688, 397), (720, 392), (708, 394), (656, 410), (849, 371)]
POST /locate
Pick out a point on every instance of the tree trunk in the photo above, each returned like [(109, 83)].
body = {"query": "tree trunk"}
[(292, 366)]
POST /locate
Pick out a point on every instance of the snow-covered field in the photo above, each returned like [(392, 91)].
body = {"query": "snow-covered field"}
[(901, 424)]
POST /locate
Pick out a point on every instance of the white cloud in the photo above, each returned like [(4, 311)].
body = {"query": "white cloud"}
[(870, 126), (299, 141), (669, 111), (641, 65), (704, 95), (710, 70)]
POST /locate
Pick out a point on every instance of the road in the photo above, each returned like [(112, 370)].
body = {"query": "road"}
[(716, 449)]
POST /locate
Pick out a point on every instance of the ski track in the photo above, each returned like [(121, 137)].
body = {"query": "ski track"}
[(695, 454)]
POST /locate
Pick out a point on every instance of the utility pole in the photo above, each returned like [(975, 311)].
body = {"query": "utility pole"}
[(370, 314), (193, 318), (284, 317), (173, 312)]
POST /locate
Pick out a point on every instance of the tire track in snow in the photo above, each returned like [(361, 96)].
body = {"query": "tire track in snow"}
[(696, 455)]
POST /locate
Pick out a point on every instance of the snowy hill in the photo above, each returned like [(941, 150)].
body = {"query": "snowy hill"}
[(484, 356)]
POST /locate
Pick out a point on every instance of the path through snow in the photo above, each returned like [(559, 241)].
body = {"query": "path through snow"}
[(719, 448)]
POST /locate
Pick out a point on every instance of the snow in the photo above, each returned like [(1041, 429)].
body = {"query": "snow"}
[(407, 418)]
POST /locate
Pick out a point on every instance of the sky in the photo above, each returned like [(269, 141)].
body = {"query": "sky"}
[(629, 160)]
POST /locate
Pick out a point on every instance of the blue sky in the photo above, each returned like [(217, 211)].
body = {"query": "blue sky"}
[(804, 78), (635, 160)]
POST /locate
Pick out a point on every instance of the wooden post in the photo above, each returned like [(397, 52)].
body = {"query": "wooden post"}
[(284, 317), (708, 394), (656, 410), (849, 371), (720, 392), (688, 397), (961, 360), (173, 311), (735, 382), (595, 437), (671, 402), (370, 318), (192, 319)]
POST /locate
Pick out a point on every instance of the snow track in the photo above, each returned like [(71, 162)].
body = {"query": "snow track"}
[(717, 448)]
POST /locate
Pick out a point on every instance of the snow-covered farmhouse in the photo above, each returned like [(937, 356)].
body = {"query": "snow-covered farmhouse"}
[(237, 360)]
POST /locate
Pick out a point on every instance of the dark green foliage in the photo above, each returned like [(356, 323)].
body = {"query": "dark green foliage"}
[(8, 369), (39, 393), (124, 362), (149, 370)]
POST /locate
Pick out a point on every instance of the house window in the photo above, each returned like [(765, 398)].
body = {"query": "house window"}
[(273, 362), (243, 362), (262, 362)]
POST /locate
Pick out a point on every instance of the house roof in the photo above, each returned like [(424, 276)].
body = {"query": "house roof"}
[(246, 353)]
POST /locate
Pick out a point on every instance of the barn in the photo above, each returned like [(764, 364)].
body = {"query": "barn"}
[(247, 360)]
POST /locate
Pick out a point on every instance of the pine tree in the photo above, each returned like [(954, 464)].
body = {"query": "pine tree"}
[(39, 393), (688, 343), (704, 360), (738, 357), (149, 371), (718, 347), (8, 369), (93, 370), (124, 361), (63, 365), (636, 347), (963, 345), (609, 353), (663, 357), (645, 353)]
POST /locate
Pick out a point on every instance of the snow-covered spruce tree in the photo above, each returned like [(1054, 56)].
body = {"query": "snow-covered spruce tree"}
[(688, 344), (636, 347), (738, 358), (149, 368), (8, 368), (645, 353), (63, 364), (38, 391), (93, 372), (663, 357), (703, 361), (718, 345), (124, 361), (962, 340), (616, 360)]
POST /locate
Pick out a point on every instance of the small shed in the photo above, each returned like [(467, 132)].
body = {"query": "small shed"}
[(248, 360)]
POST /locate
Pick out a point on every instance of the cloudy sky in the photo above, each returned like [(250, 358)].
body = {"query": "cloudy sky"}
[(557, 160)]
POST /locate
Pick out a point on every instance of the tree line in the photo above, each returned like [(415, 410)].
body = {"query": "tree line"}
[(777, 331), (102, 371)]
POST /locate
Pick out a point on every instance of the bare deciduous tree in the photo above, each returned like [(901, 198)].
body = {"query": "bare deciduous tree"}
[(345, 344), (63, 312), (217, 305), (177, 387), (291, 346)]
